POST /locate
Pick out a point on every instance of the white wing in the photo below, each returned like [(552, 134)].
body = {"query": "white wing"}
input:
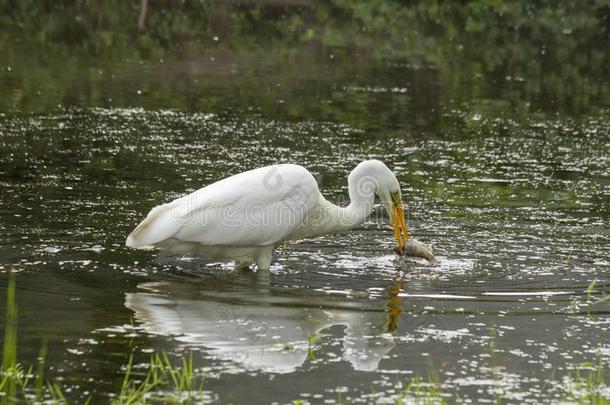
[(255, 208)]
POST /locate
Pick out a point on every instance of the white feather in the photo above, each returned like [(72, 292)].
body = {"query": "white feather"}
[(243, 217)]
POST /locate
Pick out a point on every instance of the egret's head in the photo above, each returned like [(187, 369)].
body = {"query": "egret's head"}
[(373, 176)]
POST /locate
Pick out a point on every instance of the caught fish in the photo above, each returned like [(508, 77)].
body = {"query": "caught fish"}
[(415, 248)]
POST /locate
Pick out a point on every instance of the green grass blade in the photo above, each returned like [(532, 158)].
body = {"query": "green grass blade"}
[(9, 349), (39, 378)]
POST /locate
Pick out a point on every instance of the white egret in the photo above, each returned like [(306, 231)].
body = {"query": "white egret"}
[(245, 216)]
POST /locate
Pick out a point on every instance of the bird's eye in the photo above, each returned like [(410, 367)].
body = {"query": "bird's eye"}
[(395, 196)]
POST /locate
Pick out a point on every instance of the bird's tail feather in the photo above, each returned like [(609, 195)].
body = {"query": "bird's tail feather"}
[(159, 225)]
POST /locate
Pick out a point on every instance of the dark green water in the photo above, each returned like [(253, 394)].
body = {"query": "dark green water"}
[(505, 169)]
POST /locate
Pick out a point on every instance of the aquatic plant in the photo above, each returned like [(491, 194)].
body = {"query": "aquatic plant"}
[(588, 385), (12, 373), (182, 384), (18, 383), (421, 392), (164, 382), (311, 341)]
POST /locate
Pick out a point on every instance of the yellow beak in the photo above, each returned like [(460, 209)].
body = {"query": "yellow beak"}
[(400, 228)]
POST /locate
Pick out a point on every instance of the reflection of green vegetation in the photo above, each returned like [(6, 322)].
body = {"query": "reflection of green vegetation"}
[(515, 56)]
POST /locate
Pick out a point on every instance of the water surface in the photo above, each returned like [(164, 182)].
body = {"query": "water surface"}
[(512, 191)]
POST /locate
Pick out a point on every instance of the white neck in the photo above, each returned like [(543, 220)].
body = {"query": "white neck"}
[(332, 218)]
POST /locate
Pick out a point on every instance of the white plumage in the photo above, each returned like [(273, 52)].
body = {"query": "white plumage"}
[(245, 216)]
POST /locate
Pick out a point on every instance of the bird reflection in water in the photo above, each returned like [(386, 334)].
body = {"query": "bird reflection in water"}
[(259, 327)]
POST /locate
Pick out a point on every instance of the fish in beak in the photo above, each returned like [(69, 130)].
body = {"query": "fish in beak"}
[(407, 246)]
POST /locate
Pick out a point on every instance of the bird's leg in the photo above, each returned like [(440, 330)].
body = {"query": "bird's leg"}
[(263, 259), (242, 265)]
